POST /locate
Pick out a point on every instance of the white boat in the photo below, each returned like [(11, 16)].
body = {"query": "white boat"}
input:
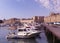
[(24, 32)]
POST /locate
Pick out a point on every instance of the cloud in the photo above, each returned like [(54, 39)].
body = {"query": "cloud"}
[(53, 5), (45, 3)]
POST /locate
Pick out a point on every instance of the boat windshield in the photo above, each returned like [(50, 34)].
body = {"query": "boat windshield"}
[(22, 30)]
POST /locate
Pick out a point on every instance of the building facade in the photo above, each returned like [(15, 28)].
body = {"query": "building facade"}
[(53, 17), (38, 19)]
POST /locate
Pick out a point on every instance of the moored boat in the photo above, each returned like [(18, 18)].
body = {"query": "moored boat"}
[(24, 32)]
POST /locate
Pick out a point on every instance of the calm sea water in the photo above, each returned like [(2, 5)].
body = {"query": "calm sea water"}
[(4, 31)]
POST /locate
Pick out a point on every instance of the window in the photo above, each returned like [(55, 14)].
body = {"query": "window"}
[(20, 30)]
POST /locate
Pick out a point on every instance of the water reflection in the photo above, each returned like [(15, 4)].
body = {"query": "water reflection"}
[(21, 40)]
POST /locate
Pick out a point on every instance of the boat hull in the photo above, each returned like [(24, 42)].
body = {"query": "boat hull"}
[(21, 36)]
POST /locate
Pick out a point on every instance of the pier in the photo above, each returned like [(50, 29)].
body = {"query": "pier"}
[(52, 32)]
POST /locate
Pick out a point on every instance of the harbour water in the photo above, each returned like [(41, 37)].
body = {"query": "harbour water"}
[(4, 31)]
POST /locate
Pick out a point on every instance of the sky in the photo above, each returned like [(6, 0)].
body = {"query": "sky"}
[(22, 9)]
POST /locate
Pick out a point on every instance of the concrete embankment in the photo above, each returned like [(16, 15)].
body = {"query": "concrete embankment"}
[(53, 32)]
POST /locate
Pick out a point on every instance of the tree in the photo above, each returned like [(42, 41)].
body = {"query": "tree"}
[(1, 21)]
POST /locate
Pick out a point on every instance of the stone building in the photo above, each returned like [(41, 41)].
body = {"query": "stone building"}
[(53, 17), (39, 19), (28, 20)]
